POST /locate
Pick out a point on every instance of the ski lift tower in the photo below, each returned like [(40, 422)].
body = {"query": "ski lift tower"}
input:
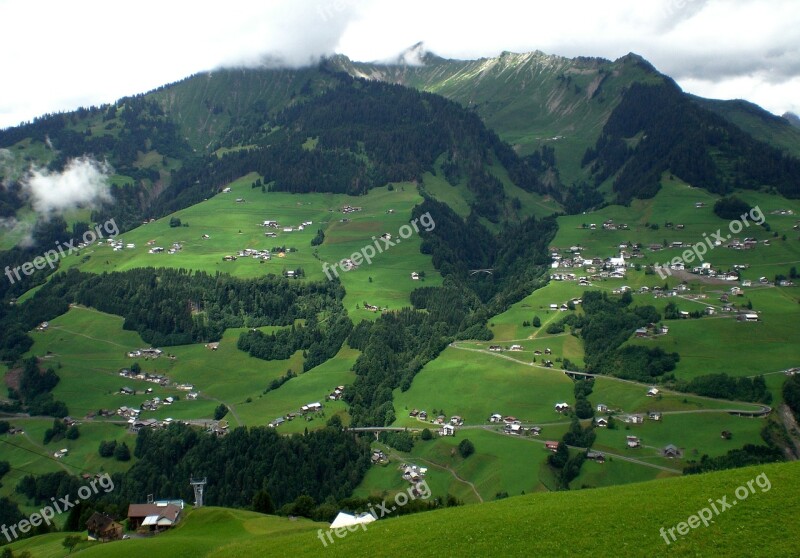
[(198, 486)]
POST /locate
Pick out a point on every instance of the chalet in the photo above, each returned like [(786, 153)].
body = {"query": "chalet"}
[(512, 429), (125, 390), (212, 346), (153, 517), (511, 420), (423, 415), (652, 392), (596, 456), (497, 417), (228, 258), (413, 413), (515, 348), (536, 430), (641, 332), (447, 430), (562, 407), (61, 453), (671, 451), (413, 473), (42, 326), (277, 422), (633, 441), (633, 419), (601, 408), (551, 445), (654, 415), (710, 310), (456, 420), (378, 456), (311, 407), (748, 317), (495, 348), (602, 422), (101, 527), (218, 427)]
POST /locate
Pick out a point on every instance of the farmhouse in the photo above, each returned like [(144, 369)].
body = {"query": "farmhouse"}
[(153, 517), (497, 417), (536, 430), (671, 451), (601, 422), (562, 407), (311, 407), (748, 317), (447, 430), (633, 419), (654, 415), (633, 441), (652, 392), (601, 408), (101, 527), (551, 445), (596, 456), (515, 348)]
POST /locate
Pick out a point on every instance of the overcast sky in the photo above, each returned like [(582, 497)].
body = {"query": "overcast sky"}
[(61, 54)]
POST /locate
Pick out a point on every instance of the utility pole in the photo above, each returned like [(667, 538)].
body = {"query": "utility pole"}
[(198, 486)]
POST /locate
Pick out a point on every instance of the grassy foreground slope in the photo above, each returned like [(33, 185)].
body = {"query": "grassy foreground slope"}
[(617, 521)]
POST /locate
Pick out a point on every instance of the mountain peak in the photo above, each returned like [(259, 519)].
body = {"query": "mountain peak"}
[(416, 55)]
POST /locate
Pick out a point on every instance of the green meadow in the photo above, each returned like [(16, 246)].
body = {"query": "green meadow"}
[(614, 520), (232, 226)]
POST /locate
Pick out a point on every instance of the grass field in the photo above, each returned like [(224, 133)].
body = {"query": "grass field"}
[(494, 528), (232, 226)]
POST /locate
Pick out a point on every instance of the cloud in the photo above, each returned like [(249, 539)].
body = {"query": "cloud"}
[(713, 41), (82, 184)]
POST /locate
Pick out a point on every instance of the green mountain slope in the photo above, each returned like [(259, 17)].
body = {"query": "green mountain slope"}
[(618, 521), (530, 99), (761, 124)]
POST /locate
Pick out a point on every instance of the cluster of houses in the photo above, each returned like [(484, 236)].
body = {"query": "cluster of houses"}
[(349, 209), (652, 330), (146, 353), (269, 224), (159, 379), (371, 307), (413, 473), (513, 426), (378, 457), (254, 253), (174, 249), (304, 410), (598, 268), (116, 244), (499, 348), (336, 394)]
